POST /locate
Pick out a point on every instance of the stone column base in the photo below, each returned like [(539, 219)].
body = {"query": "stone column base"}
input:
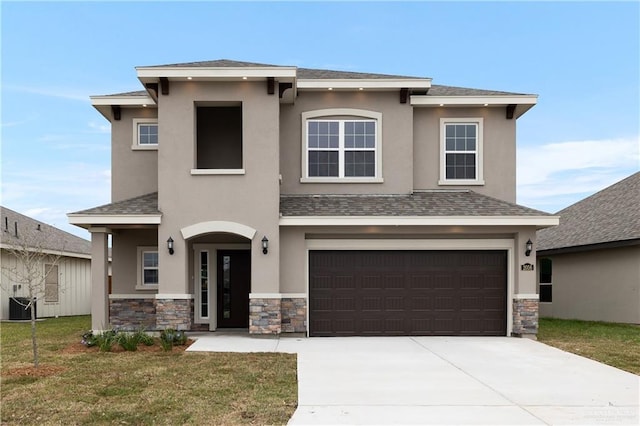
[(294, 315), (525, 318), (265, 316), (173, 313), (132, 314)]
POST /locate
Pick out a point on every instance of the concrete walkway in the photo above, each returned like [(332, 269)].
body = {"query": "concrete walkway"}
[(445, 380)]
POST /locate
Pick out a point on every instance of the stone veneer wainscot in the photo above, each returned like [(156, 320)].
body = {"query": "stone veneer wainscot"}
[(525, 317)]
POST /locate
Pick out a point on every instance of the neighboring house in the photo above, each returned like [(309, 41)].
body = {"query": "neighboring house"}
[(283, 199), (67, 288), (590, 264)]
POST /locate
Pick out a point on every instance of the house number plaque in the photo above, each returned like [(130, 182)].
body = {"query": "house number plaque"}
[(527, 267)]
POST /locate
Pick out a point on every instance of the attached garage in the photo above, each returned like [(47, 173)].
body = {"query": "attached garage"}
[(407, 292)]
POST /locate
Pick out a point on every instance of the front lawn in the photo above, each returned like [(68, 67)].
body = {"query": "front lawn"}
[(617, 345), (78, 386)]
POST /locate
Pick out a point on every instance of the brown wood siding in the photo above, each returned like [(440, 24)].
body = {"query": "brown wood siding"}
[(376, 293)]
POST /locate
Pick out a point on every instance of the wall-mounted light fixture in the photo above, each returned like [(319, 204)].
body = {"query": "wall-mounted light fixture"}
[(265, 245), (170, 245), (528, 247)]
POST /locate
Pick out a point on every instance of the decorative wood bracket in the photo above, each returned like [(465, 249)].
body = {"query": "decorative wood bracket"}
[(404, 95), (116, 110), (271, 85), (164, 85), (282, 87), (511, 109), (152, 88)]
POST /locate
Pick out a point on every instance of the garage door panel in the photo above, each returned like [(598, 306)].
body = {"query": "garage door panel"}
[(407, 292)]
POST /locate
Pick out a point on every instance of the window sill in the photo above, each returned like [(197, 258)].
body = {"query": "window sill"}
[(217, 172), (148, 287), (341, 180), (461, 182), (144, 147)]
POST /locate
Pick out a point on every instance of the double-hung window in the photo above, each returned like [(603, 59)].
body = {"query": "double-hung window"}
[(342, 149), (461, 151), (145, 133), (148, 271)]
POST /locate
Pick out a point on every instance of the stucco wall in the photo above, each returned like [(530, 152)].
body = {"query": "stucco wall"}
[(133, 172), (499, 150), (599, 285), (125, 245), (74, 295), (251, 199)]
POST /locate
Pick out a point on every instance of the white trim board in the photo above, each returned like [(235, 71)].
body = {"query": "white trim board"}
[(115, 219), (543, 221)]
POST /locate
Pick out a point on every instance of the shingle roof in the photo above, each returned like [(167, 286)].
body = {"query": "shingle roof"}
[(141, 205), (134, 93), (610, 215), (438, 90), (311, 74), (218, 63), (52, 238), (428, 203)]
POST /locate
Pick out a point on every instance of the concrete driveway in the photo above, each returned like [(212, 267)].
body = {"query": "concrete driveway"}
[(446, 380)]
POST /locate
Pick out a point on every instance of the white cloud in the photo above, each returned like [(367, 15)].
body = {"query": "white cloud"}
[(100, 128), (555, 175), (62, 93)]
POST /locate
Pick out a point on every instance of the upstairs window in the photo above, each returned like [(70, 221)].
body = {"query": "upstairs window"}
[(461, 148), (219, 140), (145, 133), (341, 149)]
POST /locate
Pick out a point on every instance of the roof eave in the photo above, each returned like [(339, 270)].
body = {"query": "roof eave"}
[(523, 102), (364, 83), (90, 220), (538, 221), (105, 103)]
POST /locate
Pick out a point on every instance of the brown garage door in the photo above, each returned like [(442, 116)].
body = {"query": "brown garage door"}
[(376, 293)]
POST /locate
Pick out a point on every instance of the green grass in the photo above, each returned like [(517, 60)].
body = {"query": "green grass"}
[(617, 345), (139, 387)]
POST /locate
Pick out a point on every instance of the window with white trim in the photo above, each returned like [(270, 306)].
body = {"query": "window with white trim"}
[(461, 149), (341, 149), (51, 285), (145, 133), (148, 271)]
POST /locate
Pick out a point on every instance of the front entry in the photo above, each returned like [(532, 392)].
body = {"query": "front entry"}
[(233, 286)]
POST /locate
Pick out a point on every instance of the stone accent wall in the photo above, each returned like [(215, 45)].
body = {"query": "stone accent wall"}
[(294, 315), (525, 317), (173, 313), (265, 316), (132, 314)]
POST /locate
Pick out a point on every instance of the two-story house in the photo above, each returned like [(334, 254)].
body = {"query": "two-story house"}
[(282, 199)]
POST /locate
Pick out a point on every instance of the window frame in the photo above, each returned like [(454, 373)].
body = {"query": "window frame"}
[(548, 280), (341, 115), (48, 268), (140, 284), (479, 151), (137, 146)]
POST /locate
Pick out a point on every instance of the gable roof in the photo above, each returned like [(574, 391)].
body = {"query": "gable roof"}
[(54, 239), (611, 215)]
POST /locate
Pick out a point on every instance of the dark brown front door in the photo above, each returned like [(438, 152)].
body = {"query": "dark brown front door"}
[(374, 293), (234, 282)]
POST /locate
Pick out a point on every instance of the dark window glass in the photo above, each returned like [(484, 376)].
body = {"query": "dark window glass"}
[(460, 166), (546, 293), (545, 271), (323, 163)]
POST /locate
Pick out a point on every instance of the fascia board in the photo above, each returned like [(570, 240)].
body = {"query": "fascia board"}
[(364, 83), (538, 221), (204, 72), (121, 100), (61, 253), (426, 100), (84, 219)]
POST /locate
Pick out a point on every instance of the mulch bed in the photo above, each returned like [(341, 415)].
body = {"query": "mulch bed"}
[(79, 348)]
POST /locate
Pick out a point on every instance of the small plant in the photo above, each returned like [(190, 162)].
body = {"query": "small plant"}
[(128, 341), (144, 338), (88, 339), (106, 340), (171, 337)]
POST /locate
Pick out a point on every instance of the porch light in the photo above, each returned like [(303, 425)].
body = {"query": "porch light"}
[(529, 247), (265, 245), (170, 245)]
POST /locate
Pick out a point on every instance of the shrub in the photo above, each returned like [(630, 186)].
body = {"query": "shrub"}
[(171, 337), (128, 341), (144, 338), (88, 339), (106, 340)]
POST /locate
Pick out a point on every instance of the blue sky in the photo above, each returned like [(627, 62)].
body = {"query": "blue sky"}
[(582, 59)]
